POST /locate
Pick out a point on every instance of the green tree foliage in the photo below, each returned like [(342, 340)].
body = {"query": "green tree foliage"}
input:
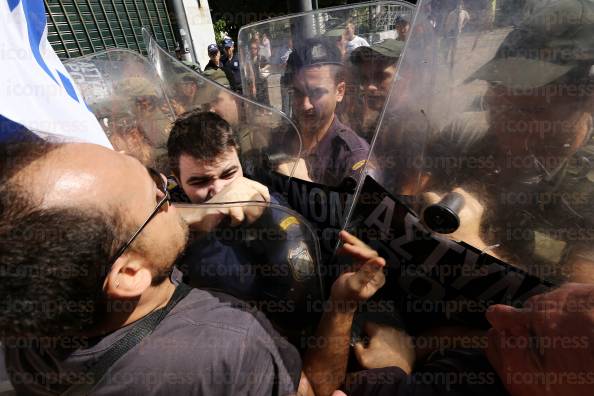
[(220, 29)]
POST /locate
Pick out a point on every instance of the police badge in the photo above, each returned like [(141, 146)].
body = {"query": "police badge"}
[(300, 262)]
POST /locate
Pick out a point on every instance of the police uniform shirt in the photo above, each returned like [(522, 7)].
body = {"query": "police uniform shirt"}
[(209, 344), (546, 221), (340, 154), (232, 68)]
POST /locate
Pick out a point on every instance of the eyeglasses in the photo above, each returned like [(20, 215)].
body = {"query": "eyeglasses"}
[(162, 186)]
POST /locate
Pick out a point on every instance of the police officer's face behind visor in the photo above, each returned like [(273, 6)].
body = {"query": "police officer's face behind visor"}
[(88, 175), (315, 96), (188, 88), (549, 122), (376, 80), (226, 106), (202, 180)]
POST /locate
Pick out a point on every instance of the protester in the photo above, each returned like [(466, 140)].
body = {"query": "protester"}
[(111, 270), (543, 348)]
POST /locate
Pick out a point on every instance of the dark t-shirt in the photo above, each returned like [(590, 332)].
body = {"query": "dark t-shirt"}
[(210, 344)]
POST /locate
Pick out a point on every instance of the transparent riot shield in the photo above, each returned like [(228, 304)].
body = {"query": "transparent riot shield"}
[(125, 93), (260, 130), (330, 70), (494, 156), (271, 260)]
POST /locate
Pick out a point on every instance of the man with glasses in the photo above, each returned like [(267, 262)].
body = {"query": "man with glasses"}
[(87, 266)]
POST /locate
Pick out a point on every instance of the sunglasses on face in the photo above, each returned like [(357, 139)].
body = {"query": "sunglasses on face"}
[(161, 184)]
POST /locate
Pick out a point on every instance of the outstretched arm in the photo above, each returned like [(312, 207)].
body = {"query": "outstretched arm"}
[(325, 362)]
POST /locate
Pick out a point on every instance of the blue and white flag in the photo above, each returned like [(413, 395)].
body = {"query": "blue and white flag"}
[(36, 91)]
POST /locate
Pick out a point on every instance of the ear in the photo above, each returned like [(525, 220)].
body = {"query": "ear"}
[(130, 277), (340, 90)]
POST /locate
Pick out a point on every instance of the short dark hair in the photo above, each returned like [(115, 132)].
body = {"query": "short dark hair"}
[(53, 261), (201, 135), (401, 22)]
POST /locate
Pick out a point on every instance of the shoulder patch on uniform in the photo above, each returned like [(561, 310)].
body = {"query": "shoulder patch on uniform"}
[(288, 222), (359, 165)]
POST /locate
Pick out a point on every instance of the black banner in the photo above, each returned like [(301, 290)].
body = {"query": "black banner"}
[(429, 275)]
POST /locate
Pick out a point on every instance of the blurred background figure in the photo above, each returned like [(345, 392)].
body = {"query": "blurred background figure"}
[(283, 57), (402, 28), (260, 71), (149, 107), (265, 48), (231, 65), (214, 68), (454, 24), (352, 40)]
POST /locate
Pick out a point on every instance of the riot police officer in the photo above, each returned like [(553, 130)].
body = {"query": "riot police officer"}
[(332, 151), (528, 156), (372, 71)]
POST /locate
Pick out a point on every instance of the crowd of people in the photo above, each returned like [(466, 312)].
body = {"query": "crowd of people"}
[(116, 278)]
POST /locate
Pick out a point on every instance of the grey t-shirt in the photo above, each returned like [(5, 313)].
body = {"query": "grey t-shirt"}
[(210, 344)]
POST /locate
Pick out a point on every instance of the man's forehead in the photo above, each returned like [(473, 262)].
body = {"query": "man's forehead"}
[(315, 75), (194, 167), (78, 173)]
